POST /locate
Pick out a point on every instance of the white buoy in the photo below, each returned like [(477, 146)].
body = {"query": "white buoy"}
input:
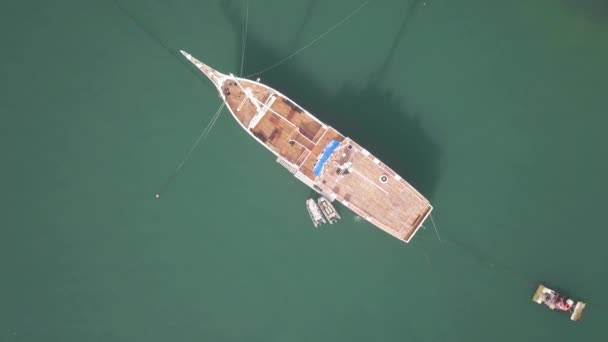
[(157, 195)]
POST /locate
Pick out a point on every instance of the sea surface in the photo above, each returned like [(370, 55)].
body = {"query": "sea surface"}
[(495, 110)]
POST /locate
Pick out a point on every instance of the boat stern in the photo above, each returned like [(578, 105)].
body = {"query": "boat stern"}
[(577, 313), (216, 77)]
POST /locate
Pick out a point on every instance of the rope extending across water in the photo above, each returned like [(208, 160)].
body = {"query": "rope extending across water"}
[(200, 138), (244, 36), (434, 226), (311, 43)]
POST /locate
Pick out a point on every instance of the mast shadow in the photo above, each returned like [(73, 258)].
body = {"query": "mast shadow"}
[(596, 10), (371, 114), (304, 22), (410, 12)]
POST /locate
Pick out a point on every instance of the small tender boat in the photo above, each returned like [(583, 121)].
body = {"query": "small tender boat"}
[(555, 301), (315, 212), (328, 210)]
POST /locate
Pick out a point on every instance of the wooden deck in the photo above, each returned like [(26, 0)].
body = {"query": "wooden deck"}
[(351, 174), (308, 165), (367, 186), (374, 191), (237, 101)]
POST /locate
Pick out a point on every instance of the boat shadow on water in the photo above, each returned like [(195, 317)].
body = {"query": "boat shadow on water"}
[(596, 10), (371, 114)]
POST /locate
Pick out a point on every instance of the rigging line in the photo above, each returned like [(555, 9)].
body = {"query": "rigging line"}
[(434, 226), (244, 36), (212, 123), (491, 263), (202, 136), (428, 260), (312, 42), (486, 261), (157, 40)]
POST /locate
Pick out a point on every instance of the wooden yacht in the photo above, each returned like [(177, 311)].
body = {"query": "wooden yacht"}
[(318, 155)]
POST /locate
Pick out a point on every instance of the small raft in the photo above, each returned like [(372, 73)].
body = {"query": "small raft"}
[(328, 210), (555, 301), (315, 212)]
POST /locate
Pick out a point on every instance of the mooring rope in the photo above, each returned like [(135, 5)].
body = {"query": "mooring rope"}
[(200, 138), (244, 36), (311, 43), (434, 226)]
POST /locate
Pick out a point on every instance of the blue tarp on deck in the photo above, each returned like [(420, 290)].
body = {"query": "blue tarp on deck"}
[(327, 151)]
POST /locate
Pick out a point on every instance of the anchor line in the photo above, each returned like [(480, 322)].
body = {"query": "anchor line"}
[(200, 138), (244, 36), (312, 42)]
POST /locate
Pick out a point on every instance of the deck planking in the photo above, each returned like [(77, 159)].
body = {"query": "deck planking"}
[(369, 188), (352, 175), (374, 191)]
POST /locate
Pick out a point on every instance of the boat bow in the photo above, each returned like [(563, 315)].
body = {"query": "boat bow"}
[(215, 76)]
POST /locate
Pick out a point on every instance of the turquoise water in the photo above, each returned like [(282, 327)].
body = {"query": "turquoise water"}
[(494, 110)]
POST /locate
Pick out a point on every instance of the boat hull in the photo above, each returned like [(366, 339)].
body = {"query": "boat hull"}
[(548, 297), (321, 157)]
